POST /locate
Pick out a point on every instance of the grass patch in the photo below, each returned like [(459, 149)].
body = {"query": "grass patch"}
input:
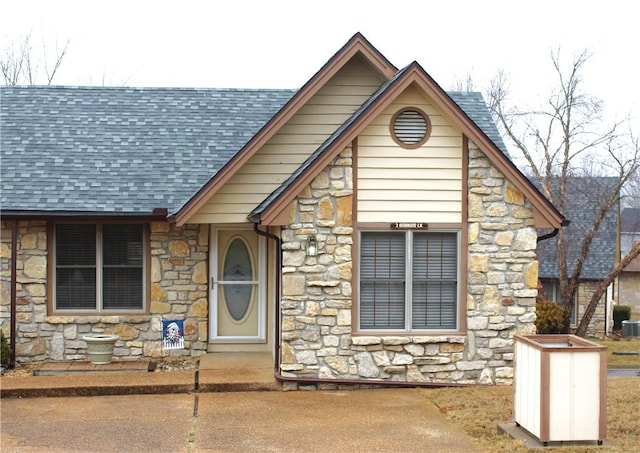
[(479, 410), (622, 345)]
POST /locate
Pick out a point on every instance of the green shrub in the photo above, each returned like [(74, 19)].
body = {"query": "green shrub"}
[(620, 313), (5, 350), (549, 317)]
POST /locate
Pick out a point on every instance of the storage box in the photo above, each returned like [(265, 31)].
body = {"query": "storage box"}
[(560, 388)]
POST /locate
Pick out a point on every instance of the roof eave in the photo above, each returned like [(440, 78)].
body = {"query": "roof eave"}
[(158, 214)]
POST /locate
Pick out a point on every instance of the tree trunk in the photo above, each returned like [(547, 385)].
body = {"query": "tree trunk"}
[(602, 288)]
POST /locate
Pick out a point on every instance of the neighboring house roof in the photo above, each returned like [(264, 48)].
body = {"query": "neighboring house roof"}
[(121, 150), (582, 203), (630, 220)]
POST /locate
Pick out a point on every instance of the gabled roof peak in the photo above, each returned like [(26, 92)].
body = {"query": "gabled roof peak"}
[(357, 45)]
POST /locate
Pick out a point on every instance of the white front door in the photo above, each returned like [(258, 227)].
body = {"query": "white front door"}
[(237, 266)]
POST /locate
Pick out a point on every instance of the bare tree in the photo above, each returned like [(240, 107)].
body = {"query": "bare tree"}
[(631, 191), (22, 65), (463, 83), (567, 137)]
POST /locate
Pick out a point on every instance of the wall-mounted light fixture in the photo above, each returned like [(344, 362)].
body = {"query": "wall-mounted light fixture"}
[(312, 246)]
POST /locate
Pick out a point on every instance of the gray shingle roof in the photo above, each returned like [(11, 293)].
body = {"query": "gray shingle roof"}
[(121, 150), (472, 103), (110, 150), (583, 197)]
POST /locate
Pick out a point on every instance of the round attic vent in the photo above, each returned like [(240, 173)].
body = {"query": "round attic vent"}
[(410, 127)]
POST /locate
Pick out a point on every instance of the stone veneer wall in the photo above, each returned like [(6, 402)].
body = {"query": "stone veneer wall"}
[(178, 291), (629, 291), (597, 325), (317, 326)]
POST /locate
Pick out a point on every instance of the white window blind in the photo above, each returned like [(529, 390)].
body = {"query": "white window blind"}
[(408, 280), (435, 274), (76, 266), (99, 267), (122, 266), (382, 280)]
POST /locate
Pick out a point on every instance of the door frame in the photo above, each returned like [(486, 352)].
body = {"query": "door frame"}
[(261, 271)]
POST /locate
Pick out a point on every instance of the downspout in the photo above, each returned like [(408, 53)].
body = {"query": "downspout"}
[(278, 241), (14, 292), (544, 237), (310, 380)]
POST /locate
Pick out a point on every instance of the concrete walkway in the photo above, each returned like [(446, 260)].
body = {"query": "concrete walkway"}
[(218, 408), (215, 373), (385, 420)]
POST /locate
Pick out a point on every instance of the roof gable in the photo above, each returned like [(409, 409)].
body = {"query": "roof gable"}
[(357, 47), (273, 208)]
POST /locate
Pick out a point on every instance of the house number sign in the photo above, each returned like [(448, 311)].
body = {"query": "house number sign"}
[(409, 226)]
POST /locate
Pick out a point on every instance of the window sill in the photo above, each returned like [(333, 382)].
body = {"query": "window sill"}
[(417, 333), (101, 314)]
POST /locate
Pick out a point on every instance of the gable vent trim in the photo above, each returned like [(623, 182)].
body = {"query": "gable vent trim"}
[(410, 127)]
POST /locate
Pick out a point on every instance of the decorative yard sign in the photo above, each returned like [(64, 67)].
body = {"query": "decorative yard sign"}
[(173, 334)]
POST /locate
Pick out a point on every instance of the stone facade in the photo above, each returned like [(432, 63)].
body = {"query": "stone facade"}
[(316, 306), (596, 328), (178, 290), (629, 291)]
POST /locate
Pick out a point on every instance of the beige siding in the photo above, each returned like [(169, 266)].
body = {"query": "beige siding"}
[(294, 142), (410, 185)]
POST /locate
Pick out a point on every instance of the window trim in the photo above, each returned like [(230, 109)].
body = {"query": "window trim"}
[(99, 310), (555, 286), (408, 330)]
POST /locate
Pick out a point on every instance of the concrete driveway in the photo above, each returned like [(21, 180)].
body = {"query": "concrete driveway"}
[(384, 420)]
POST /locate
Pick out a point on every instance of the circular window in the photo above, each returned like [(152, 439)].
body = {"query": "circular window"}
[(410, 127)]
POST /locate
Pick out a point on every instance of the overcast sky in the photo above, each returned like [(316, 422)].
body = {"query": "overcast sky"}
[(281, 44)]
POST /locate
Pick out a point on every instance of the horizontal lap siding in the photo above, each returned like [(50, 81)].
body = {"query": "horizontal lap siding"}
[(284, 153), (410, 185)]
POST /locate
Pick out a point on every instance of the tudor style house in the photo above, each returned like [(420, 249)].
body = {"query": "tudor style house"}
[(365, 228)]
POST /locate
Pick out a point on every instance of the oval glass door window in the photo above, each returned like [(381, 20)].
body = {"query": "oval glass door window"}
[(238, 267)]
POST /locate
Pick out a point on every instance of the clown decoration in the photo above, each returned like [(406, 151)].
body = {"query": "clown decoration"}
[(172, 334)]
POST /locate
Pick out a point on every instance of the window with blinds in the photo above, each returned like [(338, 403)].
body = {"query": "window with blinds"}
[(408, 280), (382, 280), (99, 267)]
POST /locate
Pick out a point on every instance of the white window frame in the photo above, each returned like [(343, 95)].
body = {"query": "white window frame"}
[(99, 265), (409, 282)]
